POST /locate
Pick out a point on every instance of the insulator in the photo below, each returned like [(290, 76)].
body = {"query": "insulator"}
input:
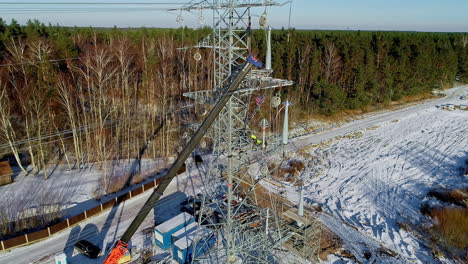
[(275, 101), (203, 112), (263, 20), (201, 20), (197, 56), (203, 144), (179, 19), (185, 135)]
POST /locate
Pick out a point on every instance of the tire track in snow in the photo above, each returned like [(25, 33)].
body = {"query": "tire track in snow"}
[(386, 185)]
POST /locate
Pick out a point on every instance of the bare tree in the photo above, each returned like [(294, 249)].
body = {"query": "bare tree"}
[(126, 95), (111, 100), (304, 57), (331, 62), (464, 40), (7, 131), (165, 72), (20, 80), (67, 99), (148, 50), (98, 73), (38, 105), (63, 147)]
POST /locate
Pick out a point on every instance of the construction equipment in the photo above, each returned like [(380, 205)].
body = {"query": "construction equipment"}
[(87, 248), (120, 248)]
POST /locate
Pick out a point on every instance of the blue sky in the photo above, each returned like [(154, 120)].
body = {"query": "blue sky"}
[(407, 15)]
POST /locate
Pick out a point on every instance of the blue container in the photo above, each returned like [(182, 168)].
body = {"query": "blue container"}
[(183, 250), (164, 231), (184, 231)]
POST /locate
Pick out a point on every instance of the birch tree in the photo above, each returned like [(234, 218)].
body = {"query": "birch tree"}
[(331, 62), (19, 79), (7, 131), (68, 101)]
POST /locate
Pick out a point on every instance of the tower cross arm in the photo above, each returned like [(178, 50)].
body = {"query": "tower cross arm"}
[(207, 4)]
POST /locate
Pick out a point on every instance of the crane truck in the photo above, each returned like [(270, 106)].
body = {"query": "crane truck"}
[(120, 248)]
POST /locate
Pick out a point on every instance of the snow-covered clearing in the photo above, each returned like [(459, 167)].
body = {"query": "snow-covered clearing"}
[(377, 178), (70, 190), (370, 181), (104, 229)]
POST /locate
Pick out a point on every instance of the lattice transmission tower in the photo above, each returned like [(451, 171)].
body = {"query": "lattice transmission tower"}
[(233, 207)]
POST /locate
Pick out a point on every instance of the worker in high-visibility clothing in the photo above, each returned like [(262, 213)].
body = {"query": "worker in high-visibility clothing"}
[(254, 137)]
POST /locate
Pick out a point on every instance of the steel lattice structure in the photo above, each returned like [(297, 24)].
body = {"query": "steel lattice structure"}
[(246, 231)]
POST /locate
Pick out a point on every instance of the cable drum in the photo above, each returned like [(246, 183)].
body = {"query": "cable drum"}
[(179, 19), (275, 101)]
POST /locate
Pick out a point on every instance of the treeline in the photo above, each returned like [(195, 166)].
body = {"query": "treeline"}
[(335, 70), (83, 95)]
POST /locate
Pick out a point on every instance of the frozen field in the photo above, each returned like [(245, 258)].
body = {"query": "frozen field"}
[(379, 176)]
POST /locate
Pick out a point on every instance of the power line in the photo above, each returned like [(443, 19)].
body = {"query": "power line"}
[(91, 3), (82, 11), (55, 134), (92, 127), (44, 61), (51, 141), (77, 7), (57, 60)]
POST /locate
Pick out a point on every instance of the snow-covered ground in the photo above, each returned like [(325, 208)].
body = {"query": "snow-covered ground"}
[(70, 190), (370, 181), (377, 178), (104, 229)]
